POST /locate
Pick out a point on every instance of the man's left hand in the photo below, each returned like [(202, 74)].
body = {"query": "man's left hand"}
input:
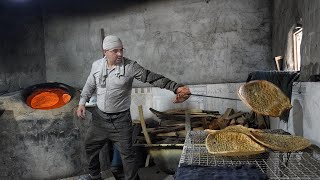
[(183, 93)]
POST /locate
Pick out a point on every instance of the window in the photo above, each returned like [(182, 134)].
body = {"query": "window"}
[(297, 37)]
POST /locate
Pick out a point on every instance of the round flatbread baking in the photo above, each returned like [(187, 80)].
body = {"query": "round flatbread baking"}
[(280, 142), (264, 98), (226, 143)]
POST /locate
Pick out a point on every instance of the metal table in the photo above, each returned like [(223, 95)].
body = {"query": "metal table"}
[(276, 165)]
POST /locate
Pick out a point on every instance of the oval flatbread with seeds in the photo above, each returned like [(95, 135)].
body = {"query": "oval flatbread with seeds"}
[(242, 129), (279, 142), (227, 143), (264, 97)]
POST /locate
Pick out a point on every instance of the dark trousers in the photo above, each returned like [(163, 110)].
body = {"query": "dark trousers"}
[(115, 127)]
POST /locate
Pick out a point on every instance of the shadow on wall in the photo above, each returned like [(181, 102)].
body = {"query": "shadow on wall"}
[(309, 70), (297, 118)]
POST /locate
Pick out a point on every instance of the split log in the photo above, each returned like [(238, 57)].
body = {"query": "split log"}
[(222, 121), (234, 116), (261, 121), (232, 122), (214, 125), (241, 120), (166, 116), (170, 134), (192, 111), (204, 123), (176, 128), (227, 113), (182, 111)]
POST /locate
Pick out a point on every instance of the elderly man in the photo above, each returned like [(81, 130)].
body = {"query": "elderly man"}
[(112, 78)]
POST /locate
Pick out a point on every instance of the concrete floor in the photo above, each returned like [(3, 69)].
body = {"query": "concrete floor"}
[(153, 173), (145, 173)]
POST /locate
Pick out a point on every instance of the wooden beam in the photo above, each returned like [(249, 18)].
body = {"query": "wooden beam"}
[(233, 116), (143, 125), (188, 121), (175, 128), (102, 35)]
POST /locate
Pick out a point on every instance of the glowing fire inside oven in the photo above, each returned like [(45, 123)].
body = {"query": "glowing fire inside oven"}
[(48, 98)]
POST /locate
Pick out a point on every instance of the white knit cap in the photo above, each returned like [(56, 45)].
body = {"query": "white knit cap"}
[(111, 42)]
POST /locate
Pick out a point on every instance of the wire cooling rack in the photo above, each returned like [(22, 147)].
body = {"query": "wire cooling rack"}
[(276, 165)]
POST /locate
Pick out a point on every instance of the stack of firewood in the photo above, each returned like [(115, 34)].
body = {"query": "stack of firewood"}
[(172, 126), (247, 119)]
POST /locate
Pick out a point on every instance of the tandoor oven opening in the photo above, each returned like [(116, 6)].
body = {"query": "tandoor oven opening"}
[(48, 96)]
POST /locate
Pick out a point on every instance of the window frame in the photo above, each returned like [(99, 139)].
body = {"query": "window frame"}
[(297, 38)]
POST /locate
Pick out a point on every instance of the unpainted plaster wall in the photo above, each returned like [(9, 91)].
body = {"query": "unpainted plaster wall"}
[(286, 15), (304, 116), (189, 41), (22, 60)]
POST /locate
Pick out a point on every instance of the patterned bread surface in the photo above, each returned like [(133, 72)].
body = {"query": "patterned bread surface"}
[(280, 142), (227, 143), (264, 97), (242, 129)]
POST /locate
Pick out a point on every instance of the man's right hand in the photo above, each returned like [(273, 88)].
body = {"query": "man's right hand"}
[(81, 111), (183, 93)]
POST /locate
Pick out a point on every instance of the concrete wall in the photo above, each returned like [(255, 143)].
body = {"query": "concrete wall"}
[(22, 60), (304, 116), (192, 42), (286, 14)]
